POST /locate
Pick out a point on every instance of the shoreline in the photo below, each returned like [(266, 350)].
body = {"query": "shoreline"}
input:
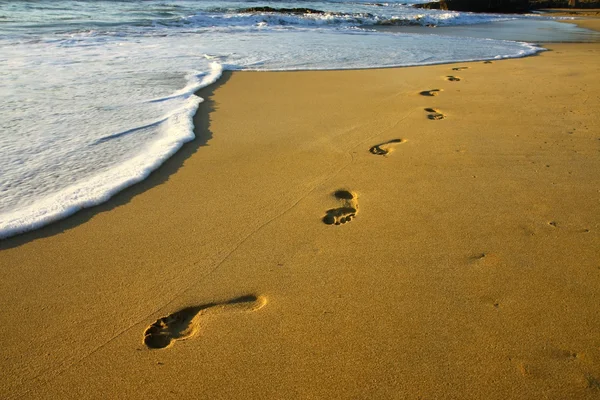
[(469, 263), (519, 30), (15, 239), (588, 19)]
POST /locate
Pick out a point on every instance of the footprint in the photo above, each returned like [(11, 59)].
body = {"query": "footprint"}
[(436, 117), (524, 369), (432, 92), (491, 301), (346, 212), (592, 382), (459, 68), (485, 260), (488, 62), (185, 323), (434, 114), (563, 354), (385, 148), (452, 78)]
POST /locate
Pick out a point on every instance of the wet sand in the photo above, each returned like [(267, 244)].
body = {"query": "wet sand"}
[(427, 232)]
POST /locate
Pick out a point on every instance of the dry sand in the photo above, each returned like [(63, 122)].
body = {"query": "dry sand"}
[(467, 266)]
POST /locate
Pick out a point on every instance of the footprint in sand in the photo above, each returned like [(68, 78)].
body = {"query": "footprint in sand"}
[(434, 114), (453, 78), (185, 323), (385, 148), (592, 382), (563, 354), (459, 68), (484, 259), (488, 62), (432, 92), (524, 369), (346, 212)]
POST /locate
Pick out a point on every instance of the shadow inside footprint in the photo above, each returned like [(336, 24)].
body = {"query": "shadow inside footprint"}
[(341, 215), (384, 148), (452, 78), (459, 68), (436, 117), (432, 92), (434, 114), (343, 195), (184, 323)]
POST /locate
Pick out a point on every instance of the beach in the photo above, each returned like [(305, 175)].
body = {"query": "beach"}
[(425, 232)]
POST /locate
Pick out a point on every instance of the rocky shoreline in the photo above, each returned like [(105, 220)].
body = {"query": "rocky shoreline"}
[(507, 6)]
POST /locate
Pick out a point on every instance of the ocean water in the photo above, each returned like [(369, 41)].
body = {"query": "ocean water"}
[(95, 95)]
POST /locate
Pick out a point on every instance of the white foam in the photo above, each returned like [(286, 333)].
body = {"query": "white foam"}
[(176, 129), (84, 115), (405, 16)]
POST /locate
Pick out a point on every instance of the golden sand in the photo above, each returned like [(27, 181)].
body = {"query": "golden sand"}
[(428, 232)]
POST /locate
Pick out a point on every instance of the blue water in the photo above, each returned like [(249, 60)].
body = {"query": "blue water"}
[(97, 94)]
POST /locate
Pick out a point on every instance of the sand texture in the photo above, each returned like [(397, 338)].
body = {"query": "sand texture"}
[(429, 232)]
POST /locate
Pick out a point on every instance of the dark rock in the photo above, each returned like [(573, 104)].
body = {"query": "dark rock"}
[(432, 5), (399, 22), (491, 6), (282, 10), (537, 4), (506, 6)]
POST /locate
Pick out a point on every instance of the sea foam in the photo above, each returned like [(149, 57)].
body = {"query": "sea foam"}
[(94, 107), (175, 130)]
